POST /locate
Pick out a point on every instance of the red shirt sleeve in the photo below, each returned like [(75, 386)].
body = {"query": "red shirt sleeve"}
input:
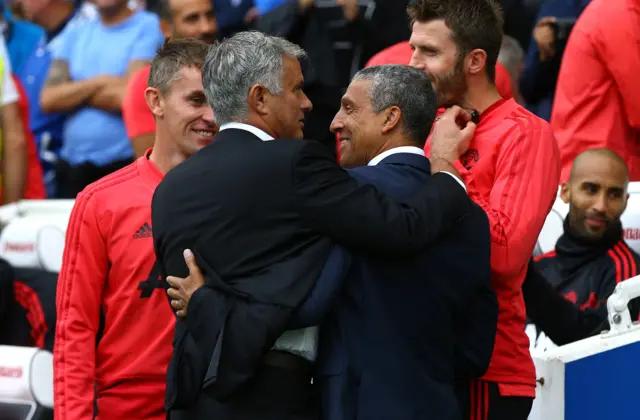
[(138, 119), (525, 185), (78, 297), (619, 46)]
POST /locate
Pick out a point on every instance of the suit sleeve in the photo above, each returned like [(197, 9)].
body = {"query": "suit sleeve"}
[(558, 318), (324, 293), (476, 330), (358, 215), (525, 184), (620, 51), (80, 283)]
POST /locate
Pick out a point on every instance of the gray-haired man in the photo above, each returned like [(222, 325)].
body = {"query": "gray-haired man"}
[(258, 215)]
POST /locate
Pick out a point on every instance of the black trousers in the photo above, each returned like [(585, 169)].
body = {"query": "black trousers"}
[(70, 180), (273, 394), (481, 400)]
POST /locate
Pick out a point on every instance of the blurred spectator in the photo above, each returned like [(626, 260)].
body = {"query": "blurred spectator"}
[(590, 258), (88, 78), (597, 101), (544, 55), (520, 18), (34, 187), (511, 57), (53, 16), (234, 15), (340, 36), (178, 19), (265, 6), (401, 53), (14, 143), (21, 37)]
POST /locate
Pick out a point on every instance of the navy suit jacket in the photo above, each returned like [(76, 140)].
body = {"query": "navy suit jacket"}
[(396, 332)]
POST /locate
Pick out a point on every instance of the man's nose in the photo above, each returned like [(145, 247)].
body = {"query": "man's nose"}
[(601, 204), (208, 116), (306, 106), (415, 61), (336, 124)]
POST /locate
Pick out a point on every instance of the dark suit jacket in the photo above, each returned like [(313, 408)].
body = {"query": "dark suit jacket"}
[(403, 328), (259, 216)]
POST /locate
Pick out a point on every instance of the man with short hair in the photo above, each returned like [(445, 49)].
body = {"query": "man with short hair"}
[(511, 169), (89, 80), (381, 333), (109, 291), (178, 19), (590, 258), (258, 214)]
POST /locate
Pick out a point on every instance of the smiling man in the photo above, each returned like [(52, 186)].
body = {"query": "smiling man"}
[(591, 257), (511, 170), (178, 19), (108, 281)]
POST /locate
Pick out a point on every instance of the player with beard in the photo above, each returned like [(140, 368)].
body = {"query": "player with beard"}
[(114, 327), (511, 170), (178, 19), (590, 258)]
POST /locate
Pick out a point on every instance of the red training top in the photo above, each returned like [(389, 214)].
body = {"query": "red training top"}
[(511, 170), (109, 266), (34, 190), (137, 116), (597, 101)]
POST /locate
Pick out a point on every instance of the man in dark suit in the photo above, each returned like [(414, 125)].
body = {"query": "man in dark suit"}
[(258, 215), (401, 329)]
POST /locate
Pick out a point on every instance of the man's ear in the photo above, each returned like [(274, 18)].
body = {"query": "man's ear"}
[(155, 101), (258, 99), (392, 117), (476, 61), (565, 192)]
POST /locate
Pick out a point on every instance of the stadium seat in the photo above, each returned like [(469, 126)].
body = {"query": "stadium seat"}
[(33, 233), (26, 383)]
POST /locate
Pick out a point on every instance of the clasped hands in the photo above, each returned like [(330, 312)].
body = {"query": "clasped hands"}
[(181, 289)]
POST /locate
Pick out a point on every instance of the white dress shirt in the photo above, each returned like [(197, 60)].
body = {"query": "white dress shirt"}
[(303, 342)]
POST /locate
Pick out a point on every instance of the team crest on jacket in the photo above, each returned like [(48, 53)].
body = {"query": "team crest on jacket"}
[(469, 159)]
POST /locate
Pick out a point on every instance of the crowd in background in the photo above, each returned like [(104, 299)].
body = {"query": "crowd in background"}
[(72, 63)]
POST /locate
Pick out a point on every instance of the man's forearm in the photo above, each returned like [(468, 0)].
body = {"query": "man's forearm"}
[(68, 95), (109, 98), (14, 154)]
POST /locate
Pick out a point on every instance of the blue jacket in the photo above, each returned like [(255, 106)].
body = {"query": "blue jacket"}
[(398, 331)]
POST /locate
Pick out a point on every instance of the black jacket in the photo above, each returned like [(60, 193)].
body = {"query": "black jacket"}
[(256, 212), (566, 290)]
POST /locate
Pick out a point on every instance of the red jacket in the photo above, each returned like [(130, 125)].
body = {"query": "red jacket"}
[(109, 267), (597, 101), (34, 189), (511, 170)]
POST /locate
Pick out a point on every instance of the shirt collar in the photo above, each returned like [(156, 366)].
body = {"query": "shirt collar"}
[(246, 127), (402, 149)]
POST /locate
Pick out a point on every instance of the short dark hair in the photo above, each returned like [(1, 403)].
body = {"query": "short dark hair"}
[(172, 57), (475, 24), (407, 88)]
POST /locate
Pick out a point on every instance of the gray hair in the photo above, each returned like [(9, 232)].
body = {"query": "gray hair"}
[(236, 64), (512, 57), (407, 88)]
